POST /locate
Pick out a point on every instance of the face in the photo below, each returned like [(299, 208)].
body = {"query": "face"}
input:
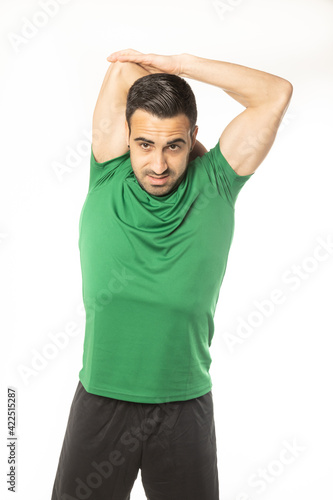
[(159, 150)]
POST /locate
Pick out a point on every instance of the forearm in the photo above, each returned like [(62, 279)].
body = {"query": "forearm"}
[(113, 93), (129, 73), (248, 86)]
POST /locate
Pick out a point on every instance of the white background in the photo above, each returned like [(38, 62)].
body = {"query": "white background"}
[(274, 386)]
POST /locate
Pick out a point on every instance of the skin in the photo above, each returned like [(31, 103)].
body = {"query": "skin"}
[(248, 138), (159, 159)]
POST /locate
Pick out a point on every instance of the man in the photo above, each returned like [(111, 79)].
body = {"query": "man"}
[(155, 232)]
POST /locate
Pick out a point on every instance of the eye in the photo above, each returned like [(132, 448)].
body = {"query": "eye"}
[(146, 146)]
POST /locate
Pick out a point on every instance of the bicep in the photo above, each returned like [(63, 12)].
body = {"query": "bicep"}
[(108, 134), (247, 139)]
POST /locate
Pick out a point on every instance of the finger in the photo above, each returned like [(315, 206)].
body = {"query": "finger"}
[(130, 58), (125, 52), (120, 57)]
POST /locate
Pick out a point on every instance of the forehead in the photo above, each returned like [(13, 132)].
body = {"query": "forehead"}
[(142, 121)]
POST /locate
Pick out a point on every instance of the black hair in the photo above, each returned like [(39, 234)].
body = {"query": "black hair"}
[(163, 95)]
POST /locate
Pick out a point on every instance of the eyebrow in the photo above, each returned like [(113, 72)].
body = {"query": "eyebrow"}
[(179, 139)]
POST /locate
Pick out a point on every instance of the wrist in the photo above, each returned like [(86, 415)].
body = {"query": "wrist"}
[(186, 62)]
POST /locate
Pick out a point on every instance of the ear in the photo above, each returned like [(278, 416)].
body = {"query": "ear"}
[(127, 132), (194, 135)]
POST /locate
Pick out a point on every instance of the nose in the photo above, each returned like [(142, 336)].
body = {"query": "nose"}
[(159, 163)]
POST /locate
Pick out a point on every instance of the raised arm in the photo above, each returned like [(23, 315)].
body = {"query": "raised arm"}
[(248, 138), (109, 134)]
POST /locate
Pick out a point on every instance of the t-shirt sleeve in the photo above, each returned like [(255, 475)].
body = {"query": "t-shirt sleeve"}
[(222, 175), (101, 172)]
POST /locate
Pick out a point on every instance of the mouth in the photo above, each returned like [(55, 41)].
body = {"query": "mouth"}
[(158, 180)]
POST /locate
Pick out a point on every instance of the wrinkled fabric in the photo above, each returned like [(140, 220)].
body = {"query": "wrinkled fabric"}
[(152, 268), (107, 441)]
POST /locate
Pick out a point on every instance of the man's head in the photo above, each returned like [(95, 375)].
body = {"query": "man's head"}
[(161, 130)]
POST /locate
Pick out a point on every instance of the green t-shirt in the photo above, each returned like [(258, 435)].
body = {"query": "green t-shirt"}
[(152, 268)]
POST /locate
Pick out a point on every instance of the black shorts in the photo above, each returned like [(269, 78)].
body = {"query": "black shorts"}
[(108, 440)]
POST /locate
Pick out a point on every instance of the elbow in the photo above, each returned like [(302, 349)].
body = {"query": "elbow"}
[(285, 91), (288, 89), (282, 94)]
